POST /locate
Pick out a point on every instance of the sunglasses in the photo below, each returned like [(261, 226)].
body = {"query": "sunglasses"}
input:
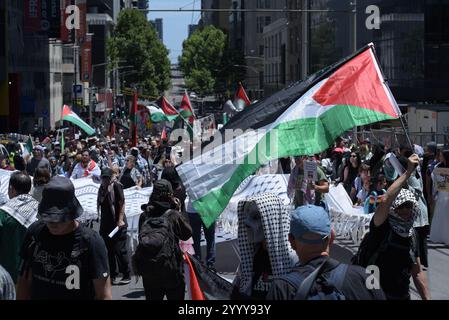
[(353, 156)]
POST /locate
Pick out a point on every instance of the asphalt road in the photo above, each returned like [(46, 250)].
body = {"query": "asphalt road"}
[(342, 250)]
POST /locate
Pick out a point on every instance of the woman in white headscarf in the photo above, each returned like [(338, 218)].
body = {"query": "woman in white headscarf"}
[(439, 231)]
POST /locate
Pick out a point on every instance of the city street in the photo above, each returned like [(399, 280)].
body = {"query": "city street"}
[(342, 250), (255, 119)]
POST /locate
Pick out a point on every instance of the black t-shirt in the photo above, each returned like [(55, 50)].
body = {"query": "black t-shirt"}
[(126, 179), (54, 263), (353, 288), (262, 278), (108, 219), (395, 262)]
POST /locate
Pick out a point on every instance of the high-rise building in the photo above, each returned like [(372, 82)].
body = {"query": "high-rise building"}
[(4, 98), (246, 33), (191, 29), (411, 43), (136, 4), (27, 68), (158, 25)]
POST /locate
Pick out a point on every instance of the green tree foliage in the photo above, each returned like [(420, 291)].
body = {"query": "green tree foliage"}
[(135, 43), (323, 51), (208, 63)]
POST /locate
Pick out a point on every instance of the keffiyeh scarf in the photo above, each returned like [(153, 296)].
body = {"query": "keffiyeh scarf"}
[(23, 208), (275, 225), (403, 228)]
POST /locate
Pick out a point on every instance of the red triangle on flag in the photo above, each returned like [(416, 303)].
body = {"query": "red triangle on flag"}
[(168, 109), (164, 134), (186, 106), (357, 83), (241, 94)]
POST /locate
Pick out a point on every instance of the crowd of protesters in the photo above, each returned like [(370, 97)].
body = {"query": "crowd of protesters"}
[(40, 235)]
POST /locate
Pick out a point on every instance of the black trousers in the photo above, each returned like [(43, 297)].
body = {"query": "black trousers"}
[(118, 253), (155, 292), (423, 232)]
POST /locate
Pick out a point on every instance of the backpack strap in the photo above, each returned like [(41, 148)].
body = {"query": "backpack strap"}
[(294, 278), (306, 285), (337, 276)]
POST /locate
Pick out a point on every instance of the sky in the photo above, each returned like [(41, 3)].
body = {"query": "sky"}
[(175, 24)]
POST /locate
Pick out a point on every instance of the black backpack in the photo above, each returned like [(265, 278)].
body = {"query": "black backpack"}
[(366, 256), (320, 284), (158, 257)]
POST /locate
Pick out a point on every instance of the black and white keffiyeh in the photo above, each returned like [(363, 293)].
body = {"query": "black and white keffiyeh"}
[(276, 224), (23, 208), (403, 228)]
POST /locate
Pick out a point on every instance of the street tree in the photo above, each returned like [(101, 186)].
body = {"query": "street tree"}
[(135, 43), (205, 61)]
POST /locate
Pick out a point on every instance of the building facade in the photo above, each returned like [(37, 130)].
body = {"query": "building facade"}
[(275, 56), (191, 29), (158, 25)]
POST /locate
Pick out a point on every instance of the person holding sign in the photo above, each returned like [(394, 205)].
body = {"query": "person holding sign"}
[(310, 182), (439, 231)]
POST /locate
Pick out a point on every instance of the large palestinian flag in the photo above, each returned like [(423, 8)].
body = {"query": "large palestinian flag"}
[(303, 119), (69, 115)]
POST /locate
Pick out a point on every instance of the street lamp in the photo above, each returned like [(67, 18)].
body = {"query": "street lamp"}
[(92, 83)]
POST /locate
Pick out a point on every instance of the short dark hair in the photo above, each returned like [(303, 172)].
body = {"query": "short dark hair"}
[(21, 182), (41, 176)]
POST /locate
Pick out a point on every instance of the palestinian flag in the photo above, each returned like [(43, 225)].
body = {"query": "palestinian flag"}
[(203, 283), (29, 146), (303, 119), (241, 99), (70, 116), (170, 112), (186, 110), (157, 115)]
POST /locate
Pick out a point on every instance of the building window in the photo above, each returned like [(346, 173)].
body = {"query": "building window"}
[(267, 20), (262, 22), (261, 50)]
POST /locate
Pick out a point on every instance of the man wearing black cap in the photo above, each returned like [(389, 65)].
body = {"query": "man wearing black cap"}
[(62, 259), (111, 204)]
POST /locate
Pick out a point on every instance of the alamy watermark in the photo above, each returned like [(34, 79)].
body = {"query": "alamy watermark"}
[(373, 20), (73, 19), (72, 282), (373, 280)]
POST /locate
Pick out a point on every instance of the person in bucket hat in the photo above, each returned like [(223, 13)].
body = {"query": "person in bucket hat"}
[(59, 254)]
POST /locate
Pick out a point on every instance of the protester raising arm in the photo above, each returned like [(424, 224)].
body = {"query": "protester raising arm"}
[(420, 280), (384, 208)]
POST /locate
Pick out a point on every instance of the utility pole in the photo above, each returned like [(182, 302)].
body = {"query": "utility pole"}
[(354, 3), (305, 43)]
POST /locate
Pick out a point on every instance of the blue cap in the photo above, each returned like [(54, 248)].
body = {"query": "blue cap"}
[(310, 219)]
